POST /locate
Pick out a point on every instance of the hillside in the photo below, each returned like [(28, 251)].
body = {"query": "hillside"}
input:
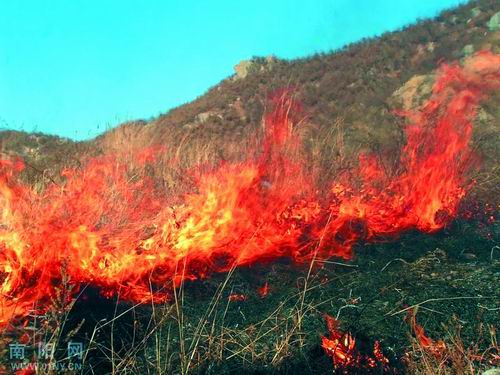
[(356, 88)]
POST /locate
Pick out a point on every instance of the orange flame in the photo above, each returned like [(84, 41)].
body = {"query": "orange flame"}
[(436, 348), (264, 290), (111, 226), (342, 348)]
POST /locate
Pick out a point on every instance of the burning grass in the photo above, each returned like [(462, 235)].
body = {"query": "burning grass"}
[(202, 331), (111, 225)]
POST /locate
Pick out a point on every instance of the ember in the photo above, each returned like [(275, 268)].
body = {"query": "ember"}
[(341, 346), (111, 226), (237, 297), (263, 290)]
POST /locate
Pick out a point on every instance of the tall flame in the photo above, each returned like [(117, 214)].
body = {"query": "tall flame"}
[(112, 226)]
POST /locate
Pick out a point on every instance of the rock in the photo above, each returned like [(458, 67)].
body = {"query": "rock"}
[(190, 126), (204, 116), (242, 68), (475, 12), (484, 116), (411, 94), (468, 50), (494, 22)]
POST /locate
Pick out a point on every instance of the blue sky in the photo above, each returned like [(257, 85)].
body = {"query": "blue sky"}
[(76, 68)]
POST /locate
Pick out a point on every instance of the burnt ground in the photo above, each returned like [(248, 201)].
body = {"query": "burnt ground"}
[(450, 276)]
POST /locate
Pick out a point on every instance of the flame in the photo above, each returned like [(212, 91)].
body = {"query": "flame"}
[(436, 348), (341, 346), (237, 297), (111, 225), (264, 290), (379, 355)]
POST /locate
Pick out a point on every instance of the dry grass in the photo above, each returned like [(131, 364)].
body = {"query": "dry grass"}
[(458, 357)]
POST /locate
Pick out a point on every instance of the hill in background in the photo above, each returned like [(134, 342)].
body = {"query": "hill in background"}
[(351, 92)]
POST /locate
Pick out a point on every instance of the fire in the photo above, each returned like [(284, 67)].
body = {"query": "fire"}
[(111, 225), (264, 290), (436, 348), (237, 297), (341, 346)]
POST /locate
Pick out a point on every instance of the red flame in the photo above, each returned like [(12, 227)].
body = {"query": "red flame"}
[(264, 290), (341, 346), (237, 297), (436, 348), (379, 355), (113, 227)]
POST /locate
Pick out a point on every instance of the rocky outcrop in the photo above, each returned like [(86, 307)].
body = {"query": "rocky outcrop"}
[(468, 50), (494, 22), (413, 92), (242, 68), (245, 67)]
